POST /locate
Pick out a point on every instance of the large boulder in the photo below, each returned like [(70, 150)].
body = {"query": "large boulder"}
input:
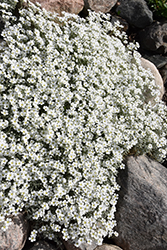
[(103, 5), (71, 6), (16, 235), (142, 206), (154, 37), (136, 12), (146, 64)]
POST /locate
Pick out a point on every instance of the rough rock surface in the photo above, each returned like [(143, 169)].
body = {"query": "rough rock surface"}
[(71, 6), (136, 12), (43, 245), (142, 206), (108, 247), (154, 38), (163, 72), (70, 246), (158, 60), (158, 79), (100, 5), (15, 236)]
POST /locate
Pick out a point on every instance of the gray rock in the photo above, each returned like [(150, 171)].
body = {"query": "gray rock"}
[(161, 63), (43, 245), (100, 5), (154, 38), (15, 236), (108, 247), (142, 206), (69, 245), (136, 12), (146, 64), (158, 60)]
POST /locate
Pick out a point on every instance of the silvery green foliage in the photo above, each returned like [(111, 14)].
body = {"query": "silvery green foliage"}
[(72, 105)]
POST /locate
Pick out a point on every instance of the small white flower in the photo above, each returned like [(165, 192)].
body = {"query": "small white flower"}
[(73, 108)]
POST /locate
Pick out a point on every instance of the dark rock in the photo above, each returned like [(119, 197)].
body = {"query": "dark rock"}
[(142, 206), (136, 12), (69, 245), (122, 21), (163, 72), (15, 236), (43, 245), (154, 38), (165, 101), (158, 60)]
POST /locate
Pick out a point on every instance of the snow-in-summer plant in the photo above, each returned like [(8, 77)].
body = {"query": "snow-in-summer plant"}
[(72, 106)]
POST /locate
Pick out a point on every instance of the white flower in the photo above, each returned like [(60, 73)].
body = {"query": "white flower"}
[(33, 235), (72, 106)]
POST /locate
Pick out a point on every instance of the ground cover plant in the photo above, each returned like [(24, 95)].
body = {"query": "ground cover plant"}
[(159, 7), (72, 105)]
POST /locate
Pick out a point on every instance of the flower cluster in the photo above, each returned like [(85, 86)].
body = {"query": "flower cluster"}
[(72, 106)]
